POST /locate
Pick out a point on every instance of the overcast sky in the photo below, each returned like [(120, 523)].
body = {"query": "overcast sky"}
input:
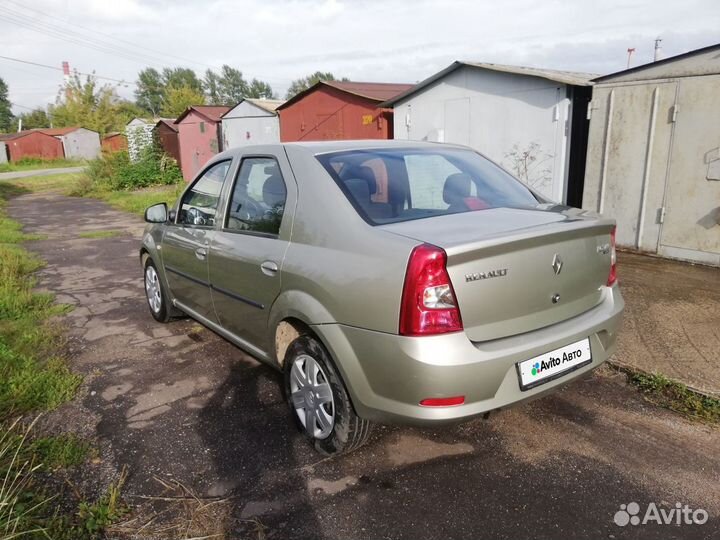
[(364, 40)]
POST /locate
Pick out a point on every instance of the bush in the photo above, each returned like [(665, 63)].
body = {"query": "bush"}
[(115, 171)]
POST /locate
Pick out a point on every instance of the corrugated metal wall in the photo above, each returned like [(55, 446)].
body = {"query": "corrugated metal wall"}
[(654, 164), (521, 122), (330, 114), (35, 145), (81, 144)]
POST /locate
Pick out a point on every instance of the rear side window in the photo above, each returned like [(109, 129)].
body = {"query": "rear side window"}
[(258, 198), (388, 186)]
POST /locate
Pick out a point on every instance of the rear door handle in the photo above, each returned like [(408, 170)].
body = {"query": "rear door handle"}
[(201, 253), (269, 268)]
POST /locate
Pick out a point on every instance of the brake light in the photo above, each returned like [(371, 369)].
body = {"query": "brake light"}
[(612, 277), (428, 303)]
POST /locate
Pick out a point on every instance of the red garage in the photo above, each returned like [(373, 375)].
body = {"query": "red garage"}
[(339, 110), (32, 144)]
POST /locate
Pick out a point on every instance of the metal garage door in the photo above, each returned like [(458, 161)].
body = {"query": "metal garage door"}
[(691, 226)]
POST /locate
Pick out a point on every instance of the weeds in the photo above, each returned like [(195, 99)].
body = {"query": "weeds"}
[(110, 508), (116, 171), (20, 510), (61, 451), (675, 396)]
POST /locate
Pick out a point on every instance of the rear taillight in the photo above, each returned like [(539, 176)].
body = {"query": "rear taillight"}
[(429, 306), (612, 277)]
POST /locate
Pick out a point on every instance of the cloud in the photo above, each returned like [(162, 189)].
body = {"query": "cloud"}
[(373, 40)]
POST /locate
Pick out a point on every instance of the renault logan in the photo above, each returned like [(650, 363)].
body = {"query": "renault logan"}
[(390, 281)]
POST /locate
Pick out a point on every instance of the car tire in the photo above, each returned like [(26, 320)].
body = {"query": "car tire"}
[(329, 399), (155, 293)]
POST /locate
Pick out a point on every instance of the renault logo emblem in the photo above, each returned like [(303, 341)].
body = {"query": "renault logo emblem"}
[(557, 264)]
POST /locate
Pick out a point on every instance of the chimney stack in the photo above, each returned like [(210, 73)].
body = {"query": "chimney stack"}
[(66, 77)]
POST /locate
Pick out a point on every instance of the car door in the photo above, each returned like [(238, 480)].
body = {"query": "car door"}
[(246, 254), (186, 241)]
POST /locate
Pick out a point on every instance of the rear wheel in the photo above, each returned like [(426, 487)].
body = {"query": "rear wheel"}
[(319, 401)]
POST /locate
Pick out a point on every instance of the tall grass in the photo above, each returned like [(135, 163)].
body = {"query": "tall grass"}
[(19, 507)]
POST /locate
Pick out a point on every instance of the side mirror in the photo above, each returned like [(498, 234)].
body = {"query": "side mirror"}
[(157, 213)]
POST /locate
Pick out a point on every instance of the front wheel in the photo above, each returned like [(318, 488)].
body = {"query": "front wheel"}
[(319, 401), (155, 294)]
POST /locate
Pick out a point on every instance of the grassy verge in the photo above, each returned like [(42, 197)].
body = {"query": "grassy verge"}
[(34, 378), (100, 234), (137, 201), (78, 185), (31, 164), (675, 396)]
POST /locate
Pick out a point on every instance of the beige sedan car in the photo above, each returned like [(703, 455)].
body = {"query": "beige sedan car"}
[(390, 281)]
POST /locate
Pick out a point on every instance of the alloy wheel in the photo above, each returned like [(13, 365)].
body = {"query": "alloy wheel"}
[(152, 289), (312, 397)]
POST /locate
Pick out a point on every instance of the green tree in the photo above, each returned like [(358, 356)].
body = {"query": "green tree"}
[(232, 86), (211, 84), (87, 104), (260, 89), (6, 115), (37, 118), (179, 77), (150, 91), (302, 84), (179, 98), (127, 110)]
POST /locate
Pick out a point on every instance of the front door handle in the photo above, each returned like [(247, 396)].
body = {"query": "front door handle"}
[(201, 253), (269, 268)]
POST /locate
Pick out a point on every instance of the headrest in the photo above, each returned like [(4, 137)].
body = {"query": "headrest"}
[(457, 188), (359, 189), (274, 191), (364, 172)]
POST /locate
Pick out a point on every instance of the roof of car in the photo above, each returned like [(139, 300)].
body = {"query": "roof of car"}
[(320, 147), (324, 147)]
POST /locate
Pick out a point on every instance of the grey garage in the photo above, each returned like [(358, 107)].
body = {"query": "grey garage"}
[(653, 159)]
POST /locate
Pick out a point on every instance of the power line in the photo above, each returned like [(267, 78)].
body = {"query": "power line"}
[(23, 106), (60, 69), (108, 37), (49, 30)]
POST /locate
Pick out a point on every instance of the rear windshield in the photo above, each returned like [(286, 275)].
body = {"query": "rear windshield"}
[(387, 186)]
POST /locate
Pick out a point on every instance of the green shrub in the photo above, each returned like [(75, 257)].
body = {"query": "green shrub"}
[(115, 171)]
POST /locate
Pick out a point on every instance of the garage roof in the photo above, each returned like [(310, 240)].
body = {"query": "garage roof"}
[(211, 112), (565, 77), (20, 134), (702, 61), (57, 132), (369, 90)]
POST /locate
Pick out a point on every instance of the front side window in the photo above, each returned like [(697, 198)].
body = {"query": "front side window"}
[(388, 186), (258, 198), (199, 204)]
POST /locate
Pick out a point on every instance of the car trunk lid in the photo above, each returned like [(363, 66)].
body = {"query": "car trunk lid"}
[(515, 270)]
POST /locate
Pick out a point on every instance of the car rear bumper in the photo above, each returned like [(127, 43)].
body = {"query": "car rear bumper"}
[(388, 375)]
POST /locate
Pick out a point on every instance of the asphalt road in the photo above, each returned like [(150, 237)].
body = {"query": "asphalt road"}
[(39, 172), (210, 448)]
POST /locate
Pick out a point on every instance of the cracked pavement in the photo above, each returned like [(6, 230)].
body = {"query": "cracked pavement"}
[(179, 406)]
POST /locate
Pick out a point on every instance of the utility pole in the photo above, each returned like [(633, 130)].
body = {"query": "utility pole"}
[(658, 50), (630, 53)]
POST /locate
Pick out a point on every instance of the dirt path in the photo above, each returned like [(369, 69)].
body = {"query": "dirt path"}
[(672, 320), (185, 411)]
